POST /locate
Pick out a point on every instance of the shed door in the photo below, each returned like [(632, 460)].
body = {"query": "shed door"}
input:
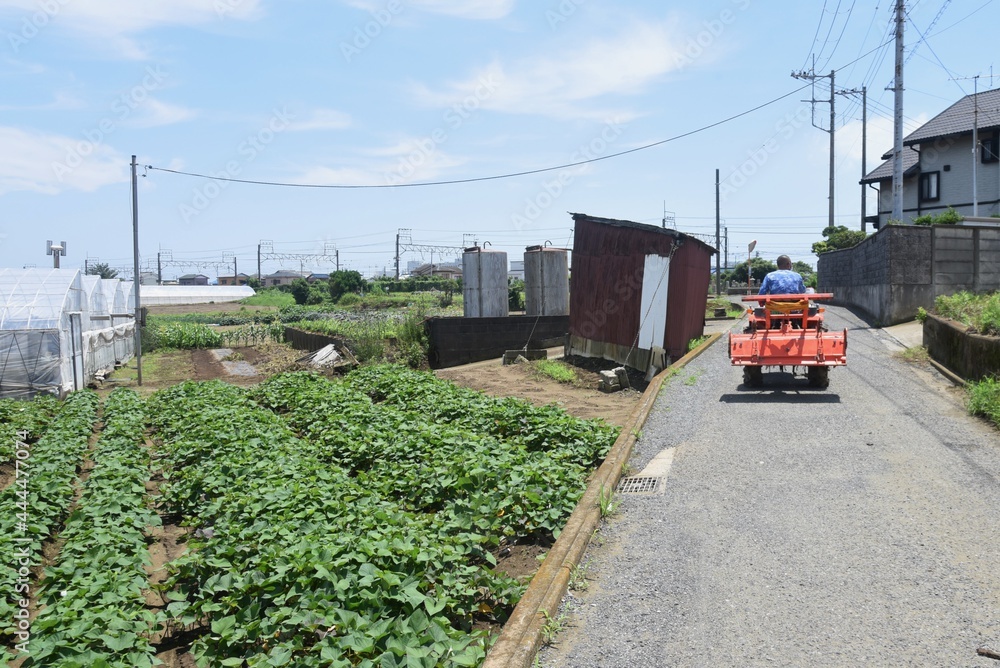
[(653, 313)]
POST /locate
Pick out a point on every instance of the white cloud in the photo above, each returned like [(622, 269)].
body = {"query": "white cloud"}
[(50, 164), (111, 22), (155, 113), (322, 119), (566, 84), (466, 9), (409, 160)]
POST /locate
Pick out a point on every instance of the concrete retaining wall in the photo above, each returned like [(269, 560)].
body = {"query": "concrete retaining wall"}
[(455, 341), (971, 356), (902, 267)]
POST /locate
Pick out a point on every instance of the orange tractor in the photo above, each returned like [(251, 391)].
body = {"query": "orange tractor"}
[(787, 330)]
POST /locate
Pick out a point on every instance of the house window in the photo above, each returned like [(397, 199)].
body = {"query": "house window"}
[(929, 190), (990, 149)]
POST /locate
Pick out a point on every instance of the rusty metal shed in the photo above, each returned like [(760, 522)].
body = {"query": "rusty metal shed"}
[(638, 292)]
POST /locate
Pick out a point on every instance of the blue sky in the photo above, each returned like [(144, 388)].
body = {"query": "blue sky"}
[(389, 92)]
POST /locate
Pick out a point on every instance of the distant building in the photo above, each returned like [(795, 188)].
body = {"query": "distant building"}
[(317, 278), (441, 270), (193, 279), (239, 279), (280, 277), (516, 269)]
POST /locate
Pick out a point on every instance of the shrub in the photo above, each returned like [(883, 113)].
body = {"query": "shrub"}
[(349, 299), (949, 217)]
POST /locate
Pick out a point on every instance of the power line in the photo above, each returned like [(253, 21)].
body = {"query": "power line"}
[(481, 178)]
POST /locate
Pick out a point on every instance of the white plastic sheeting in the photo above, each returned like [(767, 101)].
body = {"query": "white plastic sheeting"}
[(165, 295), (41, 317), (58, 329)]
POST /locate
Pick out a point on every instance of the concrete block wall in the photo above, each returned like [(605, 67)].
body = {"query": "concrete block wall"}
[(455, 341), (903, 267)]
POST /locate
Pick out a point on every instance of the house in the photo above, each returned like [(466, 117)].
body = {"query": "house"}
[(939, 162), (638, 291), (280, 277), (440, 270), (193, 279), (239, 279), (317, 278)]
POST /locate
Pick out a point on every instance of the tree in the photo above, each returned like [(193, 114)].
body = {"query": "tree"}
[(300, 291), (803, 268), (759, 269), (838, 237), (344, 281), (102, 269)]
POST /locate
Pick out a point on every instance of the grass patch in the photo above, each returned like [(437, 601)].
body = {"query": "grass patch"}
[(159, 368), (915, 355), (556, 370), (694, 343), (984, 399), (979, 311), (273, 298)]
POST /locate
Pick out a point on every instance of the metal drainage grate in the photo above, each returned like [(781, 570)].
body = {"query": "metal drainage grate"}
[(639, 485)]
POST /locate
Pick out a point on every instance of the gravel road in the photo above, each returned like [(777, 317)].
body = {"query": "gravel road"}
[(853, 526)]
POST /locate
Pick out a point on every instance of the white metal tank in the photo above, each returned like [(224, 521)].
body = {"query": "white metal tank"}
[(484, 283), (546, 281)]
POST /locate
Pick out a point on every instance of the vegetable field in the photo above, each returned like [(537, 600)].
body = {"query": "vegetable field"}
[(353, 522)]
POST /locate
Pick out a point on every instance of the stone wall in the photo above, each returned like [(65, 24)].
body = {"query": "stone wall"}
[(902, 267)]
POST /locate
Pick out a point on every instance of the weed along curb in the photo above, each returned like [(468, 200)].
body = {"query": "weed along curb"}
[(521, 636)]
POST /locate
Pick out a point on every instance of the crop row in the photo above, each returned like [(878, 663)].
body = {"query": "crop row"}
[(94, 604), (296, 562), (36, 503), (501, 467), (18, 418)]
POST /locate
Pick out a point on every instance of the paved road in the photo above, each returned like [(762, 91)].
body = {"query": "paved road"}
[(855, 526)]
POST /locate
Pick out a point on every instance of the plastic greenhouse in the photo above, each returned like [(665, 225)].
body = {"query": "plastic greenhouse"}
[(57, 331), (165, 295)]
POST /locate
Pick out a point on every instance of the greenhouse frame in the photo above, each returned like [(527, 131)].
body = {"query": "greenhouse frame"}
[(59, 330)]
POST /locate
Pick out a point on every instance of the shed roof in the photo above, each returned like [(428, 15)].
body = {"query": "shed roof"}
[(642, 227)]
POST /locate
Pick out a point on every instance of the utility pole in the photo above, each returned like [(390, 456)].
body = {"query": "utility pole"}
[(718, 245), (337, 255), (897, 143), (864, 150), (159, 269), (397, 255), (135, 278), (975, 146), (812, 76)]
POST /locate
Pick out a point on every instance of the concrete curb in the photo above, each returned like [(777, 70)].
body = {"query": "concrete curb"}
[(521, 636)]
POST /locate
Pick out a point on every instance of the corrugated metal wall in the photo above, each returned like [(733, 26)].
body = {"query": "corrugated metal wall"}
[(607, 277)]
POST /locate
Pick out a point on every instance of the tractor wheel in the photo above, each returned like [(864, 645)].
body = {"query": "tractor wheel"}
[(819, 376), (753, 376)]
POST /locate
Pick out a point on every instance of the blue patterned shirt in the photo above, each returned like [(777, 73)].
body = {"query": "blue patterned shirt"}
[(782, 282)]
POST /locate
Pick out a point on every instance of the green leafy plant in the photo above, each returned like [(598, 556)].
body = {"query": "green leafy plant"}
[(921, 314), (556, 370), (979, 311), (984, 399), (948, 217), (606, 502), (553, 626)]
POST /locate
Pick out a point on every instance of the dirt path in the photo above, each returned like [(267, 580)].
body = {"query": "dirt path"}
[(518, 380)]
